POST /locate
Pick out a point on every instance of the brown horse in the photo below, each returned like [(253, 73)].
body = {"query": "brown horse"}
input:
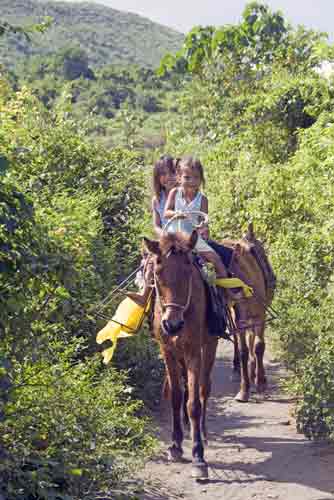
[(180, 328), (249, 314)]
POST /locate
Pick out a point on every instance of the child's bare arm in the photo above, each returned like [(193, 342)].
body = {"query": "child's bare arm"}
[(204, 232), (170, 205), (157, 225), (204, 205)]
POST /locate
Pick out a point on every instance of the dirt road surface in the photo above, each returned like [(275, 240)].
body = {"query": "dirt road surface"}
[(254, 451)]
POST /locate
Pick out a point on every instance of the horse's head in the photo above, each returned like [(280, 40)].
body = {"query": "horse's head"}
[(172, 267)]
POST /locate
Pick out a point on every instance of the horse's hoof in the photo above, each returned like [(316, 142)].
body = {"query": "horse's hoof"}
[(260, 398), (242, 397), (235, 377), (200, 471), (261, 388), (175, 454)]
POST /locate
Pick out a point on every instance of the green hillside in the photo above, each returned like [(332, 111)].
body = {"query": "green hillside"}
[(107, 35)]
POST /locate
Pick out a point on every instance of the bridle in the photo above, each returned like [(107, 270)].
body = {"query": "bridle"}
[(166, 305)]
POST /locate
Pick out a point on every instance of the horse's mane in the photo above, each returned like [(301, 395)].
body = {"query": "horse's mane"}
[(243, 245), (178, 241)]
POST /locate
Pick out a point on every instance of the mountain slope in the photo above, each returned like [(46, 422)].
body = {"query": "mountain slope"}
[(107, 35)]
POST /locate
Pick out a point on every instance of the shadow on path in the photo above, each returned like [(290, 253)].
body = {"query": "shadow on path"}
[(250, 444)]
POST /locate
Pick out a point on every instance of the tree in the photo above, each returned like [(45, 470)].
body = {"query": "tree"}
[(74, 63), (26, 31), (261, 38)]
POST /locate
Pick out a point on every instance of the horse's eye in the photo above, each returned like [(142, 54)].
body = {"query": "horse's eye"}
[(158, 269), (158, 265)]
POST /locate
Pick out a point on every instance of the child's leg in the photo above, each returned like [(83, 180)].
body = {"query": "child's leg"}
[(140, 298), (146, 278), (217, 262)]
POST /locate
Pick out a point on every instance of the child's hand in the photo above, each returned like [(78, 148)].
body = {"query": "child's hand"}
[(181, 215), (204, 232)]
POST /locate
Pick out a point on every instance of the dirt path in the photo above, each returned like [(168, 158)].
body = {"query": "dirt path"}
[(254, 450)]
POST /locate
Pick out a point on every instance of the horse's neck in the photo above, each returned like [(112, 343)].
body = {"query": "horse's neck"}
[(258, 252), (198, 286)]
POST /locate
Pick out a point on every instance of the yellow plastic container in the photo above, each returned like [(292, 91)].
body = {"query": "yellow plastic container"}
[(125, 323)]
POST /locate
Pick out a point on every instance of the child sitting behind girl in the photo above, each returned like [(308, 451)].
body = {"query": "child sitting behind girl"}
[(187, 198), (164, 179)]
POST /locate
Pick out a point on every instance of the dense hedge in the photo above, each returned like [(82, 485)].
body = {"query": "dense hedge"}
[(72, 216), (260, 116)]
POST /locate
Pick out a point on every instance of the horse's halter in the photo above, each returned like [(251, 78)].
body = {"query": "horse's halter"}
[(166, 305), (147, 263)]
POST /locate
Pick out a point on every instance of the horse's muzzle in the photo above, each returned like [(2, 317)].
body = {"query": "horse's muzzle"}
[(172, 326)]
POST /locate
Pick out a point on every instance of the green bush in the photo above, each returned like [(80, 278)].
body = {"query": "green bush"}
[(71, 218), (264, 131), (72, 431)]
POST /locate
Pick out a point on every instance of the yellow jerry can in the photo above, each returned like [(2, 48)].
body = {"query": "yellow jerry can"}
[(125, 322)]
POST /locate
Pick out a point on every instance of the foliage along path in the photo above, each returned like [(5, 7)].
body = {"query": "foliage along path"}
[(254, 450)]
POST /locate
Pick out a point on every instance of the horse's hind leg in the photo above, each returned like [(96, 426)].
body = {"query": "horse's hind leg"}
[(235, 377), (175, 451), (259, 348), (252, 358), (243, 394), (209, 355)]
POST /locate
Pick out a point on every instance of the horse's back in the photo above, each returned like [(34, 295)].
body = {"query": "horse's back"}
[(246, 266)]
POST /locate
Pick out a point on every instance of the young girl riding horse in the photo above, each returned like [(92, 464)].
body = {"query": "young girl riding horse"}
[(186, 198)]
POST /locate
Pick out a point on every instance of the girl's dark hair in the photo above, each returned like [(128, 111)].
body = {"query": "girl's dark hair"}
[(165, 161), (194, 164), (176, 163)]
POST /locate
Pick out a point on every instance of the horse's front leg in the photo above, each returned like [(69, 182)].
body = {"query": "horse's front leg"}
[(199, 466), (175, 451), (185, 395)]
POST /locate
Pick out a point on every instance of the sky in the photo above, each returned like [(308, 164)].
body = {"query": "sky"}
[(182, 15)]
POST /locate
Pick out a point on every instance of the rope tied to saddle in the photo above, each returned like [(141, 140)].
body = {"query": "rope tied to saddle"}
[(235, 283)]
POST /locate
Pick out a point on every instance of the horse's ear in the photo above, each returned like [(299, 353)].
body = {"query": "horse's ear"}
[(193, 240), (237, 250), (250, 236), (152, 246)]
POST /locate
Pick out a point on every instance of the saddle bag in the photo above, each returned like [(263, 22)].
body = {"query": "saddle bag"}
[(216, 313)]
